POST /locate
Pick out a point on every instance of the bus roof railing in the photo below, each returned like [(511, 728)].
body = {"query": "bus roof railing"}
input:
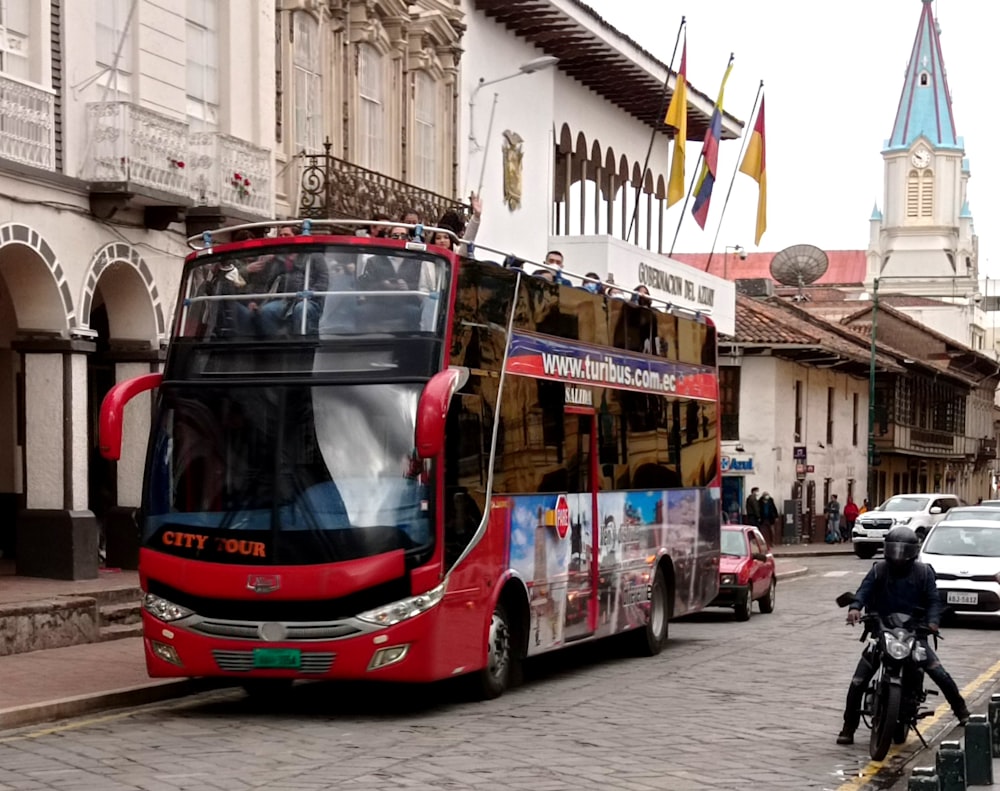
[(205, 240), (308, 227)]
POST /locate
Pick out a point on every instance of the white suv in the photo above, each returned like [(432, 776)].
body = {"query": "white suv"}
[(918, 511)]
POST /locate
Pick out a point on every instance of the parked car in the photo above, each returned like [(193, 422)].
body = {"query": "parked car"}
[(965, 556), (919, 511), (746, 572), (987, 512)]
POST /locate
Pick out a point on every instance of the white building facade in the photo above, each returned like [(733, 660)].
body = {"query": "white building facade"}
[(133, 116), (558, 152)]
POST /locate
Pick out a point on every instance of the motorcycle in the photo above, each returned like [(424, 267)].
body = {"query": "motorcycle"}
[(894, 698)]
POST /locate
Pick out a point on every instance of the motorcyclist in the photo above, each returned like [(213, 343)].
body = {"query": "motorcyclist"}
[(898, 584)]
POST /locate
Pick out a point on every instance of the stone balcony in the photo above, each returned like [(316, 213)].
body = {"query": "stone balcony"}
[(332, 188), (141, 158), (136, 156), (27, 124), (230, 180)]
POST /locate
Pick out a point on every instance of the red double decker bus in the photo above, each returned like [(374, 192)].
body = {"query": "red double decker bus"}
[(373, 459)]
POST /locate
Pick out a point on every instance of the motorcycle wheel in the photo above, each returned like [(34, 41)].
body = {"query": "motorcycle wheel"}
[(899, 733), (884, 720)]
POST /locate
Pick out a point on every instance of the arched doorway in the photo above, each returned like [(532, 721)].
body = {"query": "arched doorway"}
[(33, 302), (122, 312)]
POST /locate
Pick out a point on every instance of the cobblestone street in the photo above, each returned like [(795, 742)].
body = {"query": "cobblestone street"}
[(727, 706)]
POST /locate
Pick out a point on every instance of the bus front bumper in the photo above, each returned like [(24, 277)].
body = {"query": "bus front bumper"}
[(402, 652)]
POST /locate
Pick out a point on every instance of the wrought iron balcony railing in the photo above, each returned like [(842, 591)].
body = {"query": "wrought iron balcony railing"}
[(232, 173), (332, 188), (128, 143), (27, 124)]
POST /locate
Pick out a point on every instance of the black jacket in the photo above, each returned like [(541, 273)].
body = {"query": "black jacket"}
[(882, 593)]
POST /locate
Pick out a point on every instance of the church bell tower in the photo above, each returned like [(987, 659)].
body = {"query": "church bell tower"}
[(923, 242)]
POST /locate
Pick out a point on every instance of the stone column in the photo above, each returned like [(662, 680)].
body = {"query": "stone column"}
[(57, 536), (121, 527)]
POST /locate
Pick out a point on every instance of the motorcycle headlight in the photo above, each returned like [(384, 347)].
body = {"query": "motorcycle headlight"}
[(404, 609), (898, 648), (163, 609)]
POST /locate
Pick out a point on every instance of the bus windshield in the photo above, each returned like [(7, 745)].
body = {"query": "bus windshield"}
[(283, 475), (312, 289)]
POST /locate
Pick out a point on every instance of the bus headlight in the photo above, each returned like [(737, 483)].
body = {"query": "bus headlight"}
[(404, 609), (163, 609)]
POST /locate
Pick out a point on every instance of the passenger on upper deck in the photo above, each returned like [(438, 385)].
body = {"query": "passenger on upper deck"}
[(454, 223), (293, 275)]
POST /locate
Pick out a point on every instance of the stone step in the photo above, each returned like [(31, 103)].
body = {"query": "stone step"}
[(117, 596), (123, 613), (120, 630), (47, 623)]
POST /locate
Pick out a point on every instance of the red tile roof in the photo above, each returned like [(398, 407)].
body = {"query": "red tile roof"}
[(846, 267)]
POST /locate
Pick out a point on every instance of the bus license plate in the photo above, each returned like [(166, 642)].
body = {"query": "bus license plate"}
[(283, 658), (954, 597)]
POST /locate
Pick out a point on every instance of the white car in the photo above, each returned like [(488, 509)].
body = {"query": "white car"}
[(990, 513), (965, 556), (918, 511)]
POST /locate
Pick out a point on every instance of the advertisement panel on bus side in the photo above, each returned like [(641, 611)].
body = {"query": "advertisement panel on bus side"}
[(545, 357)]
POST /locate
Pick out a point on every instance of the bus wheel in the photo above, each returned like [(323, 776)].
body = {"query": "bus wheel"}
[(502, 656), (268, 690), (651, 639)]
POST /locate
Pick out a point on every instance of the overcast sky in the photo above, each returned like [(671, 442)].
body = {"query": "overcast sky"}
[(833, 73)]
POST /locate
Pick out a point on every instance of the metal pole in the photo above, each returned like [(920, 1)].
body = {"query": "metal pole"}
[(871, 400)]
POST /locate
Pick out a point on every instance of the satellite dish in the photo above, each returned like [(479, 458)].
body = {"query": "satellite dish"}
[(799, 265)]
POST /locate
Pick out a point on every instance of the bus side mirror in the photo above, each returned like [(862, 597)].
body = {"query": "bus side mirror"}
[(432, 410), (113, 410)]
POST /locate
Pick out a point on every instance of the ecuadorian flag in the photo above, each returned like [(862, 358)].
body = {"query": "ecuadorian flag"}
[(710, 157)]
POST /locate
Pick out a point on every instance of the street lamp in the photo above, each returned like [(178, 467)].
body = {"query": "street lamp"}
[(736, 248), (537, 64)]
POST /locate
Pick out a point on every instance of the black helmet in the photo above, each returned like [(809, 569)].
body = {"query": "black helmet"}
[(901, 548)]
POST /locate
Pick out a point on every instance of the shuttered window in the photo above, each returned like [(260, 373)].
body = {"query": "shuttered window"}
[(425, 139), (913, 194), (371, 122), (308, 85), (927, 194)]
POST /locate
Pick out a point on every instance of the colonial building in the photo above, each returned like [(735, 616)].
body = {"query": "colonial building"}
[(794, 411), (123, 120), (367, 107), (558, 152), (934, 428)]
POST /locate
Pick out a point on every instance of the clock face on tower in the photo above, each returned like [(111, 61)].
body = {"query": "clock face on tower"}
[(921, 158)]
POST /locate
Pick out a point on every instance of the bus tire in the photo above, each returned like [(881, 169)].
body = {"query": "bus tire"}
[(651, 639), (503, 656)]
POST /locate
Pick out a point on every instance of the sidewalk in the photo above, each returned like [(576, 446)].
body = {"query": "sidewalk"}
[(41, 686)]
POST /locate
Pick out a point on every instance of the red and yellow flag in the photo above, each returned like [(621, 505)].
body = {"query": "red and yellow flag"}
[(754, 166), (677, 117)]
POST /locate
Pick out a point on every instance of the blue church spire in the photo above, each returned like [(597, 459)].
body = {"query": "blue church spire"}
[(925, 104)]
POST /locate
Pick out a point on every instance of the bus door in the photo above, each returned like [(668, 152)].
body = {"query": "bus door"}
[(582, 583)]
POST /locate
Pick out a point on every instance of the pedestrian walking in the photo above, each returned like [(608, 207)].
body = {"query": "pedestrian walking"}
[(833, 521), (753, 508), (768, 517)]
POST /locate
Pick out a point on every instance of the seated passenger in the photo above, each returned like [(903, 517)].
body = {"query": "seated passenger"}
[(289, 274)]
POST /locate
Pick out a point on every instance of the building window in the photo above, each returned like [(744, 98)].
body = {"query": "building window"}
[(798, 411), (854, 420), (203, 62), (729, 401), (926, 194), (15, 26), (830, 397), (920, 194), (308, 84), (371, 121), (114, 46), (425, 141)]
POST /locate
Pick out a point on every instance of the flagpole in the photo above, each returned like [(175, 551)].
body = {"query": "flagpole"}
[(739, 159), (652, 137), (687, 197)]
